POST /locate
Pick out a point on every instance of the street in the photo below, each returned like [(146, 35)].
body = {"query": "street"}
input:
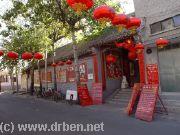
[(21, 109)]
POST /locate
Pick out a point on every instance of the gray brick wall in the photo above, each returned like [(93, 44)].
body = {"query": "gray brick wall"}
[(152, 11)]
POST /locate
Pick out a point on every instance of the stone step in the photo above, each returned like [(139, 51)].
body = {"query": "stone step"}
[(120, 99)]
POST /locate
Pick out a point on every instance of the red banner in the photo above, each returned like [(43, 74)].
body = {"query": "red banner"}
[(152, 74), (141, 67)]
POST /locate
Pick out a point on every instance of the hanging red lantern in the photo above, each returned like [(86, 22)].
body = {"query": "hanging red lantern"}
[(119, 45), (111, 58), (120, 21), (80, 5), (12, 55), (61, 63), (1, 53), (38, 56), (132, 55), (132, 49), (53, 64), (139, 48), (128, 44), (68, 62), (133, 24), (161, 42), (27, 56), (103, 14)]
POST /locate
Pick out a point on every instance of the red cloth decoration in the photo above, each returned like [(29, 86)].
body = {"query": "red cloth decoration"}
[(119, 45)]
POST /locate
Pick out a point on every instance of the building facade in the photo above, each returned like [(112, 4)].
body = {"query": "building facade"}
[(161, 18)]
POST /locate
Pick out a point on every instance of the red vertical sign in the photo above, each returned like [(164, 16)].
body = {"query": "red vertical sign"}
[(152, 74)]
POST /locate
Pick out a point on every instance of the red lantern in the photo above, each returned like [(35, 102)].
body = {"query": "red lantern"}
[(1, 53), (68, 62), (111, 58), (38, 56), (133, 24), (53, 64), (104, 14), (132, 55), (128, 44), (120, 21), (80, 5), (12, 55), (27, 56), (61, 63), (119, 45), (139, 48), (161, 42)]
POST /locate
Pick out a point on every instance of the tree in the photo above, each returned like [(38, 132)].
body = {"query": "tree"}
[(52, 13)]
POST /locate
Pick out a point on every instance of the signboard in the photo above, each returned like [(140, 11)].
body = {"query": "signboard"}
[(83, 72), (147, 103), (84, 96), (133, 99), (62, 76), (71, 74), (71, 94), (96, 93), (90, 76), (152, 74)]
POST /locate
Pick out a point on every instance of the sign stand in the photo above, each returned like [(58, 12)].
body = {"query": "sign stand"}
[(163, 106)]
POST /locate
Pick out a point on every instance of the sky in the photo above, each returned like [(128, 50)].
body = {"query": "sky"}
[(127, 5)]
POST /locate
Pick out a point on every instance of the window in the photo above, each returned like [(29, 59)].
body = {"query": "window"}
[(176, 20), (162, 25), (156, 27), (167, 24)]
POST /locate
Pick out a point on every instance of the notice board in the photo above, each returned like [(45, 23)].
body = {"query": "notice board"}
[(96, 93), (147, 103)]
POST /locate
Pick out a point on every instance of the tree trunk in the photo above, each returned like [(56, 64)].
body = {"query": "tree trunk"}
[(54, 68), (32, 78), (76, 64), (12, 82), (40, 82), (17, 83)]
